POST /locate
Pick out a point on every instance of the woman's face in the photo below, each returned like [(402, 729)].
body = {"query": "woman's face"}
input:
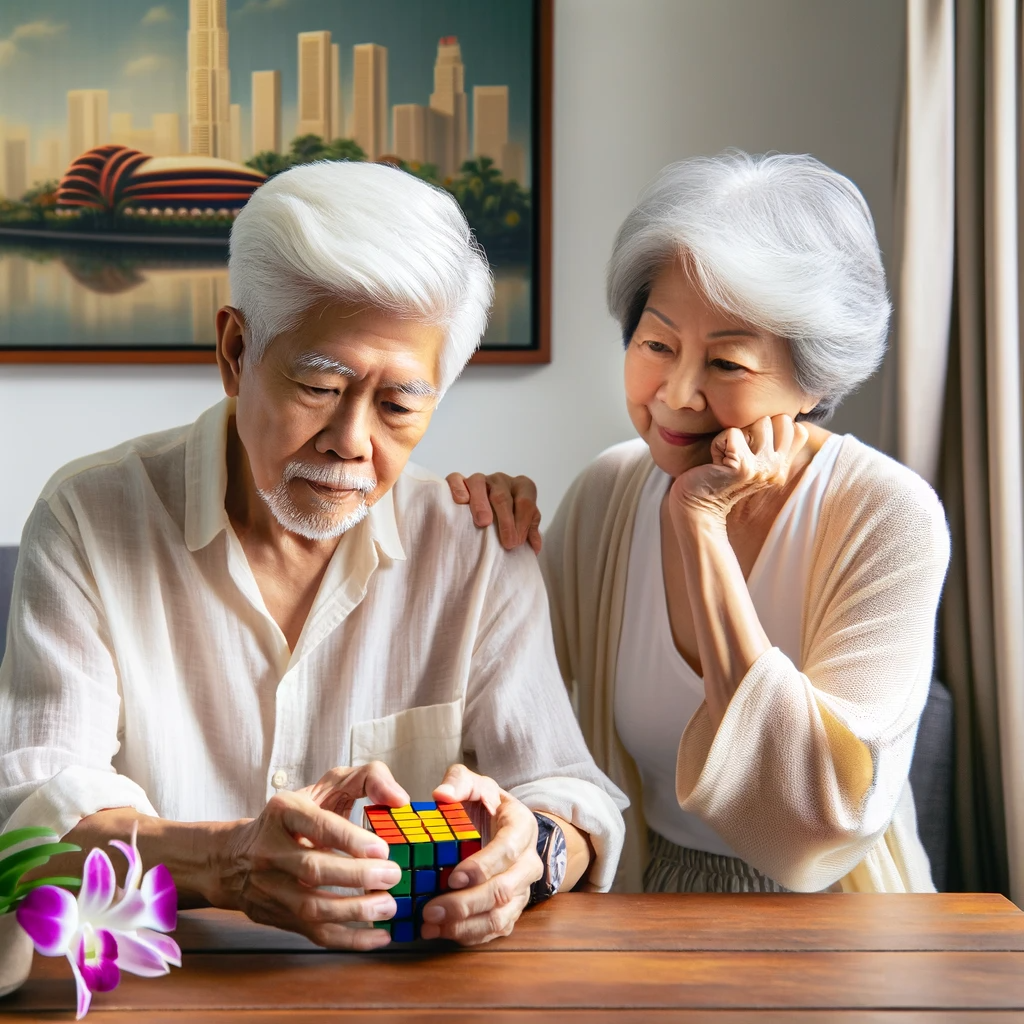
[(693, 369)]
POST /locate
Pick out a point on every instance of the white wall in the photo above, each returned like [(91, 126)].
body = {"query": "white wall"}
[(638, 83)]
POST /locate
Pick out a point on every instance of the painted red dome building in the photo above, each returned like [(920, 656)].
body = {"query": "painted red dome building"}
[(116, 179)]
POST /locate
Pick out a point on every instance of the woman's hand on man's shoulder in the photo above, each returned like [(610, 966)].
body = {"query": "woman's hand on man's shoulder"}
[(510, 502)]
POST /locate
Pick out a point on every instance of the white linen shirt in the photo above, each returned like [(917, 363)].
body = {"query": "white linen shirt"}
[(144, 670)]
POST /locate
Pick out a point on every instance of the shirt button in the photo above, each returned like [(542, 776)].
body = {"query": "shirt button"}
[(279, 779)]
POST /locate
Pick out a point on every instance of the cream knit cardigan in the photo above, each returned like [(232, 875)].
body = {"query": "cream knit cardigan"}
[(806, 778)]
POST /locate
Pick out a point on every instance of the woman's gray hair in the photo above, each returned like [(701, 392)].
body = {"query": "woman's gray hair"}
[(359, 232), (781, 241)]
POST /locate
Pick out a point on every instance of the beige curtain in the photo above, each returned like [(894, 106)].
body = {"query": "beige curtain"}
[(960, 234)]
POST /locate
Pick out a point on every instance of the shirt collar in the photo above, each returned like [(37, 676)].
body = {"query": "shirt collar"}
[(206, 475), (206, 486)]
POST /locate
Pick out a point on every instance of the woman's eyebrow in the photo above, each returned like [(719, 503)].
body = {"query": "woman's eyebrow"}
[(661, 316), (734, 332)]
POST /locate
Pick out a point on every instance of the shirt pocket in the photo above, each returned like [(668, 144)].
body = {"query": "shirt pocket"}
[(417, 744)]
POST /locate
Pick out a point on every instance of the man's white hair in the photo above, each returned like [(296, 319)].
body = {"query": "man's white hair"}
[(781, 241), (359, 232)]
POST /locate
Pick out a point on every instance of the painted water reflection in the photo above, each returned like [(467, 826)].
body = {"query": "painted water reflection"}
[(94, 296)]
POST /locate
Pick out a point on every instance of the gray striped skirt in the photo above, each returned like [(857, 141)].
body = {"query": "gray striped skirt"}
[(679, 869)]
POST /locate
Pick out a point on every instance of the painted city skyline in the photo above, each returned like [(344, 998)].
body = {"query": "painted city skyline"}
[(221, 78)]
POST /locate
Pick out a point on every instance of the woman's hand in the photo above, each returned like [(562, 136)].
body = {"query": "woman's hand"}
[(512, 499), (490, 889), (273, 867), (744, 462)]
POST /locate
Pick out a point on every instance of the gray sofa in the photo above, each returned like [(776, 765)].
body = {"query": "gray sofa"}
[(931, 772)]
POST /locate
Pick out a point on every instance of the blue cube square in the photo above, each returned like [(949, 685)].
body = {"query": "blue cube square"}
[(421, 902), (424, 805), (447, 854), (402, 931), (424, 882), (404, 905)]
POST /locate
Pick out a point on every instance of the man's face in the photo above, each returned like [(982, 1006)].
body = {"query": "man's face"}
[(329, 416)]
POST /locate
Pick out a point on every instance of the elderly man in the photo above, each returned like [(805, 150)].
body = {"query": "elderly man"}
[(207, 622)]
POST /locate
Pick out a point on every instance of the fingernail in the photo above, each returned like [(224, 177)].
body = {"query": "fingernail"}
[(458, 880), (388, 877), (382, 910), (433, 913), (445, 788), (429, 931), (376, 849)]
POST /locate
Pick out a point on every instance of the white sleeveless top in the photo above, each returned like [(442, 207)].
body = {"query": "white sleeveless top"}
[(656, 691)]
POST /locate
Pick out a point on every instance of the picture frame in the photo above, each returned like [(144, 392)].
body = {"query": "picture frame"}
[(125, 229)]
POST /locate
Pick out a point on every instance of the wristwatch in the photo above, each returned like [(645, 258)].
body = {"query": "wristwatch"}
[(554, 856)]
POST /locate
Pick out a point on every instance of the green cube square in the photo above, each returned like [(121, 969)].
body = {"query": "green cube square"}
[(386, 925), (423, 855), (404, 886), (399, 853)]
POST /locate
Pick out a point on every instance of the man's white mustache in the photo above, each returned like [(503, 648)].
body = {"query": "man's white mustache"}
[(332, 476)]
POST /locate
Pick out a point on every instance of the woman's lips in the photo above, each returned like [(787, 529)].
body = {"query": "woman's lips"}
[(682, 440)]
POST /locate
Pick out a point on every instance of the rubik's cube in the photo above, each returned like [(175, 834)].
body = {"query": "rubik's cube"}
[(426, 840)]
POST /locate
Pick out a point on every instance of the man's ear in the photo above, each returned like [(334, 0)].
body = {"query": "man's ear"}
[(230, 348)]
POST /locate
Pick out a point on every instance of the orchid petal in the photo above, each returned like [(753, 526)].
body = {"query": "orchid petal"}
[(131, 854), (50, 916), (84, 995), (98, 886), (102, 973), (128, 913), (163, 944), (161, 898), (138, 957)]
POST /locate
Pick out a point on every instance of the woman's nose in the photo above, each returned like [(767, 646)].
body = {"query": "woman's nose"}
[(683, 389)]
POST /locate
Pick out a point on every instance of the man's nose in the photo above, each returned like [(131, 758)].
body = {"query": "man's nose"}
[(348, 433)]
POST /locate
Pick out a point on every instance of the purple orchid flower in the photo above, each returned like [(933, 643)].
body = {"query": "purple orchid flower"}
[(106, 930)]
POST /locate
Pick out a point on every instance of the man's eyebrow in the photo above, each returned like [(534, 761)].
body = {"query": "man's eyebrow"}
[(315, 362), (417, 388)]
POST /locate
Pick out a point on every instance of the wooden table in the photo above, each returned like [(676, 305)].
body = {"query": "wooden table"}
[(590, 958)]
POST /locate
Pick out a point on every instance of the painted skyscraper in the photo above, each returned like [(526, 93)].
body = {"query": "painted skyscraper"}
[(449, 99), (88, 120), (337, 107), (490, 121), (370, 99), (315, 84), (209, 85), (266, 111), (409, 132)]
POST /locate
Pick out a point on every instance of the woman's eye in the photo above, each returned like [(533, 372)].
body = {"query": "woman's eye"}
[(727, 365), (657, 346)]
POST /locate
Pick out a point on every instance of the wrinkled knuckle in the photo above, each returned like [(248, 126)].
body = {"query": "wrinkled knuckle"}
[(503, 890), (500, 499), (309, 872), (309, 909)]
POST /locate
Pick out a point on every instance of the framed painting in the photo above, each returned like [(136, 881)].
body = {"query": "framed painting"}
[(129, 141)]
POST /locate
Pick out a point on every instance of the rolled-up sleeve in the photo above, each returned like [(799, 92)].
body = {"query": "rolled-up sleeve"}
[(59, 694), (519, 724)]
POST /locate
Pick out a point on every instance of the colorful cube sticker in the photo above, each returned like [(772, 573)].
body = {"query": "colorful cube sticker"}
[(426, 840)]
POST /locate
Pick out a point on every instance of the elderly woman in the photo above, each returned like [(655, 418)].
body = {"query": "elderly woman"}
[(743, 601)]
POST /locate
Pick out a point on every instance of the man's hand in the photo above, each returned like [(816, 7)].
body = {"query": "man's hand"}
[(273, 866), (493, 886)]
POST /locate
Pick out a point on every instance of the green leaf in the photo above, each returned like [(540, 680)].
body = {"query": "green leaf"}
[(63, 881), (19, 835), (13, 867)]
